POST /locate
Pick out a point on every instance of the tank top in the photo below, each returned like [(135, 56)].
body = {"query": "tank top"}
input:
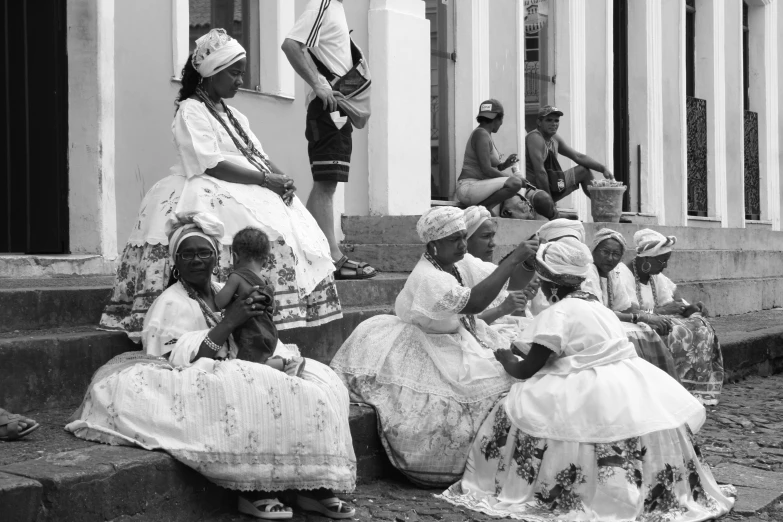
[(470, 165), (550, 157)]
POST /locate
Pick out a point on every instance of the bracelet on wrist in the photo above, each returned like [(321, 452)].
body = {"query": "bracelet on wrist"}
[(211, 344), (527, 266), (634, 318)]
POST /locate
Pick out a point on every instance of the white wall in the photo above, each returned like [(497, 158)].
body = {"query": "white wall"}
[(145, 107)]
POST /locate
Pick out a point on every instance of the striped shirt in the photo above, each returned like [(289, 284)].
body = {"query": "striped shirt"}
[(323, 29)]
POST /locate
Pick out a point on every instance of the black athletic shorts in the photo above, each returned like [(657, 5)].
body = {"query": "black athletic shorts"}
[(328, 147)]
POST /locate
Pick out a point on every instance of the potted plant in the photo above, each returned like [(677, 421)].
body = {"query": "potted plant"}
[(606, 200)]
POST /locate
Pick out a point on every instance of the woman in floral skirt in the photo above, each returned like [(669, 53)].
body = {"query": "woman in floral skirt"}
[(223, 170), (594, 432)]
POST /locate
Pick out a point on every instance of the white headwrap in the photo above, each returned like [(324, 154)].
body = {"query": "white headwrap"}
[(560, 228), (204, 225), (475, 217), (563, 264), (650, 243), (215, 51), (439, 222), (607, 233)]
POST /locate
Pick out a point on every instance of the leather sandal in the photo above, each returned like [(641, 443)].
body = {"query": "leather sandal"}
[(356, 266), (11, 421), (328, 507), (263, 509)]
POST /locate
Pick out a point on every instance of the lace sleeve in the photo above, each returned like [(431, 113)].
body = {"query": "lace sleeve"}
[(453, 302), (549, 329), (665, 288), (196, 139)]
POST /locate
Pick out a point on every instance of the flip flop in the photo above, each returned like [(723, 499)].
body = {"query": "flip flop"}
[(255, 509), (11, 423), (323, 507)]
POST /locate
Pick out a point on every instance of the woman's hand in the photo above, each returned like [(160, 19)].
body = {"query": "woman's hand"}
[(515, 301), (525, 251), (505, 357), (672, 308), (281, 185), (509, 161), (247, 306), (694, 309), (660, 324)]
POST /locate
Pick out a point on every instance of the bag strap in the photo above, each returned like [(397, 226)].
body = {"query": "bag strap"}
[(323, 70)]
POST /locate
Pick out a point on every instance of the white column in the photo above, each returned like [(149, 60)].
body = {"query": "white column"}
[(710, 86), (645, 103), (520, 116), (275, 19), (399, 129), (180, 21), (570, 42), (735, 116), (471, 70), (764, 99), (91, 198)]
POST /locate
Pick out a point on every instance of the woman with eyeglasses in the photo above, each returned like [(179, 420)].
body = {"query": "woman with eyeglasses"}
[(643, 294), (245, 426)]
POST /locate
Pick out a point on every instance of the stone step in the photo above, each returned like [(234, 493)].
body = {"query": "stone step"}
[(52, 368), (402, 230), (96, 482), (58, 302), (17, 265)]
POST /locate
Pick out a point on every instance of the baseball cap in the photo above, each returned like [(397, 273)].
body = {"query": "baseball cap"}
[(490, 109), (546, 110)]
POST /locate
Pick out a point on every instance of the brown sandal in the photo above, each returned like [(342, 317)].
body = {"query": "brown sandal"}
[(11, 422), (356, 266)]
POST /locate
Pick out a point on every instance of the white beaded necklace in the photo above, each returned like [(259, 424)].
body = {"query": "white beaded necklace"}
[(639, 287)]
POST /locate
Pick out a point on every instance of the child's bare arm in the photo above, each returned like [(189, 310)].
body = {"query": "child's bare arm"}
[(226, 294)]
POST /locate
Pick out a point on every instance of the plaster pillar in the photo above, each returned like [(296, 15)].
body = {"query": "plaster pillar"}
[(275, 19), (471, 70), (520, 81), (711, 86), (91, 197), (735, 116), (399, 129), (764, 99), (675, 140), (779, 15), (570, 89), (645, 104)]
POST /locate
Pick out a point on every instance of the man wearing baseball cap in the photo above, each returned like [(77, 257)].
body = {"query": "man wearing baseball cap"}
[(542, 169)]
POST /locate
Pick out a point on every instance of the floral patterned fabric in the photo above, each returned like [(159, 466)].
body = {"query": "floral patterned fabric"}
[(692, 342), (300, 266), (656, 477)]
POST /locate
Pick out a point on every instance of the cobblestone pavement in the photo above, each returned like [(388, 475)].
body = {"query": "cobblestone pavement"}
[(744, 432)]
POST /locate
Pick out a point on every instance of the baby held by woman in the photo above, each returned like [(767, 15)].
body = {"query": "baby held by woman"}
[(257, 338)]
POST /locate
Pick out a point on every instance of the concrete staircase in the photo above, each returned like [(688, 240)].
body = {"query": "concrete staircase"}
[(49, 348)]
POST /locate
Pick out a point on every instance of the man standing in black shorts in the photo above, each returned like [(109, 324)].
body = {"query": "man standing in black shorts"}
[(320, 50)]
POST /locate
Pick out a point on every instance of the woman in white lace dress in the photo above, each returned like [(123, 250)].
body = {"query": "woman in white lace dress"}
[(223, 170), (245, 426), (429, 371)]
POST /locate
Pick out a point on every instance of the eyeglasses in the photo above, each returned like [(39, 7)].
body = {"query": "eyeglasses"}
[(190, 256), (610, 254)]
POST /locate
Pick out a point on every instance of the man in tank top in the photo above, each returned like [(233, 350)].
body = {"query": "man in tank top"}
[(542, 169)]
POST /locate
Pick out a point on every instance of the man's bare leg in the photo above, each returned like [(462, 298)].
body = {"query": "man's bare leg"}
[(320, 203), (512, 186), (583, 177)]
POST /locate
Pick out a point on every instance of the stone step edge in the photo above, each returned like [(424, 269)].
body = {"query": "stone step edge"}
[(105, 482)]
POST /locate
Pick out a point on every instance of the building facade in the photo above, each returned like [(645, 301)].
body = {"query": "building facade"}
[(679, 98)]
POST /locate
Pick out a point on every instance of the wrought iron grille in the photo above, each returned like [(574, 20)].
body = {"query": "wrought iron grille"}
[(752, 181), (697, 155), (532, 82)]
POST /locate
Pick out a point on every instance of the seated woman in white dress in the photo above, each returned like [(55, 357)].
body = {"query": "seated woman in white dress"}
[(222, 169), (244, 426), (593, 432), (429, 371), (642, 329), (692, 340), (506, 313)]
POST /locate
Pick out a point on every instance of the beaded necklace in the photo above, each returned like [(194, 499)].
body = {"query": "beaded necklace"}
[(467, 320), (609, 291), (248, 149), (639, 287), (210, 317)]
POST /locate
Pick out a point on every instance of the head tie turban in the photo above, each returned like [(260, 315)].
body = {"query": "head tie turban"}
[(179, 228), (607, 233), (215, 51), (560, 228), (563, 264), (475, 217), (439, 222), (650, 243)]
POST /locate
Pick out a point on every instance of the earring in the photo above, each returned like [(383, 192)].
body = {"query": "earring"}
[(553, 298), (175, 273), (215, 271), (646, 267)]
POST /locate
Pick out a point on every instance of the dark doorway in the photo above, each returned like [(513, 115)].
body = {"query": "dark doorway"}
[(622, 158), (34, 137)]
